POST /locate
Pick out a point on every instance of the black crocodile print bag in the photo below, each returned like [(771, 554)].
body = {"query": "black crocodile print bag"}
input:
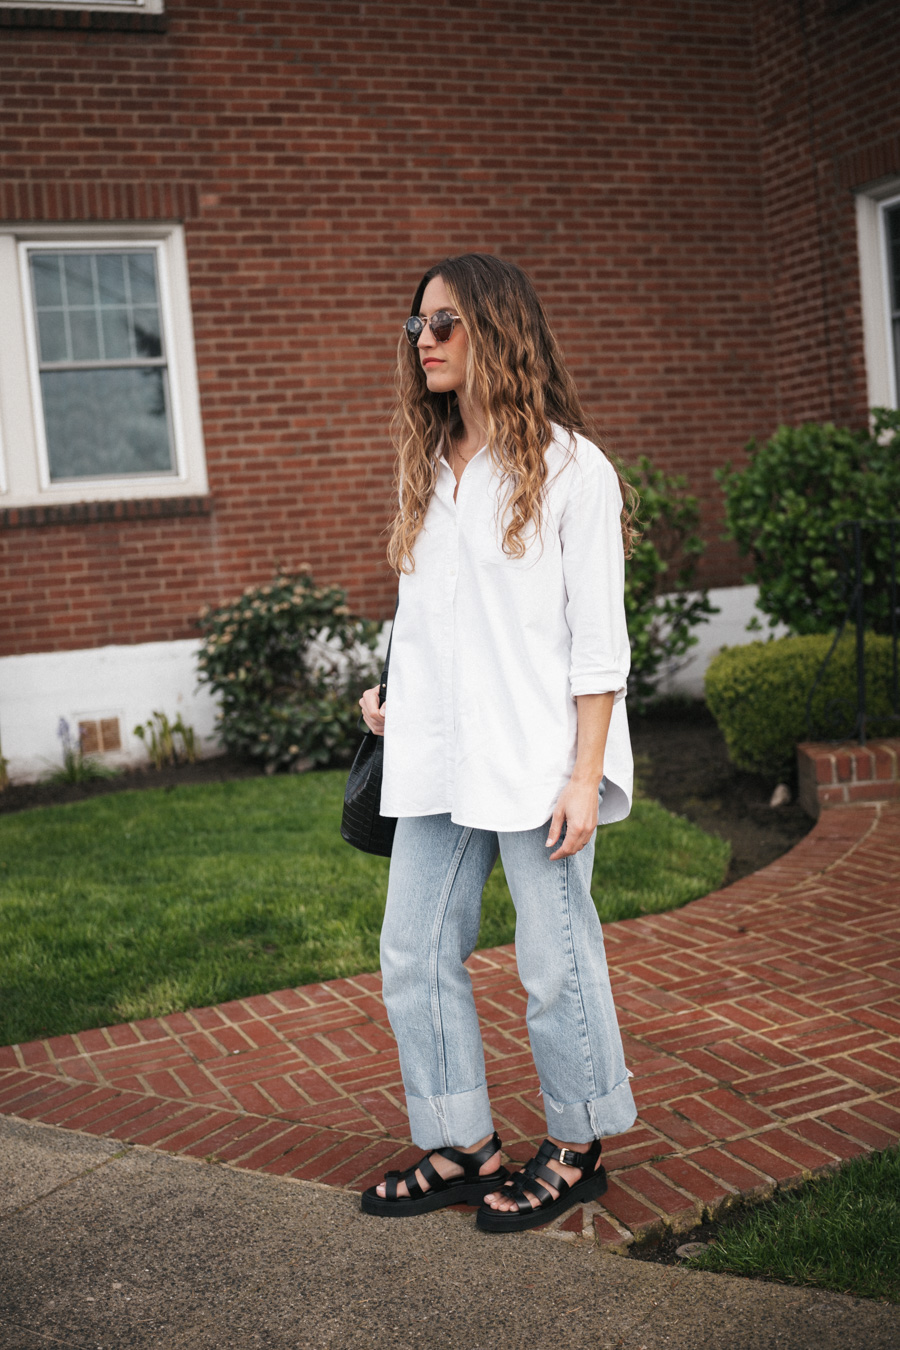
[(362, 823)]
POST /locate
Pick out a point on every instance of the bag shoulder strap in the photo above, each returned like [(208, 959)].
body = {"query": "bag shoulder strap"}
[(382, 688)]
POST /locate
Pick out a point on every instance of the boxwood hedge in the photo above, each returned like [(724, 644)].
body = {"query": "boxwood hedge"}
[(758, 693)]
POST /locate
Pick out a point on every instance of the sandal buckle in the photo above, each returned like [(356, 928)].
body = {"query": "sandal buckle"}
[(572, 1156)]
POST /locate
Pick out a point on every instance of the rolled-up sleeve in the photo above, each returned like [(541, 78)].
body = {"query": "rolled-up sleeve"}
[(594, 573)]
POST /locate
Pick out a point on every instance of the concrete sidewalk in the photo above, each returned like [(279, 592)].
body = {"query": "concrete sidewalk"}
[(105, 1246)]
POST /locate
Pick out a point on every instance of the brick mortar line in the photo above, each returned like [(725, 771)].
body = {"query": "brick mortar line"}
[(176, 1039), (339, 1001), (748, 1132), (729, 1084), (186, 1104)]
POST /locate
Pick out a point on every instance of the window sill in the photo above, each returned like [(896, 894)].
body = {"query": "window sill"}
[(95, 513), (83, 20)]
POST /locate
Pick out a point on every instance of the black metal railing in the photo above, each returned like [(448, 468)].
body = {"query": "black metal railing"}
[(872, 605)]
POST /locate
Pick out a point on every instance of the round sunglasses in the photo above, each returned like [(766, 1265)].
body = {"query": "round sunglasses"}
[(441, 323)]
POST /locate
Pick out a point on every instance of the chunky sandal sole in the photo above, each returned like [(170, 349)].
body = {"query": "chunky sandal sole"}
[(459, 1192), (511, 1221)]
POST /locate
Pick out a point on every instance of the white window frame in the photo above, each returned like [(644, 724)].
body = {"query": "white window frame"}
[(144, 6), (24, 463), (875, 278)]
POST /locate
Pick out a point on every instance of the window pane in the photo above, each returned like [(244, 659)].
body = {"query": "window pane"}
[(52, 335), (105, 423), (47, 282), (147, 337), (109, 300), (892, 224), (142, 277), (116, 334), (111, 278), (85, 339), (78, 272), (892, 221)]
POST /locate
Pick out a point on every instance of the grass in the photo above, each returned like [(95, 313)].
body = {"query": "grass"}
[(840, 1232), (137, 904)]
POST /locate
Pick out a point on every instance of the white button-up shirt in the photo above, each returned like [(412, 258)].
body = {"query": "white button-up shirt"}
[(490, 651)]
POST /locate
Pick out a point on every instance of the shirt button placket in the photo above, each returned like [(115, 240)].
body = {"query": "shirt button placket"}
[(450, 611)]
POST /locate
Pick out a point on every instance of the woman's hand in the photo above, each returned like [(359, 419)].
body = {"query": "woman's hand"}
[(373, 716), (578, 805), (579, 802)]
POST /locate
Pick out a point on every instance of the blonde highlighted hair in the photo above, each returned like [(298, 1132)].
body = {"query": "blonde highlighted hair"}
[(516, 373)]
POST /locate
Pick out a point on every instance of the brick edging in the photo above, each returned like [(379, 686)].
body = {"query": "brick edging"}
[(842, 773)]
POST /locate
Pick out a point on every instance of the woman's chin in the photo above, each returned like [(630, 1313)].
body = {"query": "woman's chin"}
[(438, 382)]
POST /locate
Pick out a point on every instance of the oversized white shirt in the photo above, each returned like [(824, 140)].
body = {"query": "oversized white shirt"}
[(490, 651)]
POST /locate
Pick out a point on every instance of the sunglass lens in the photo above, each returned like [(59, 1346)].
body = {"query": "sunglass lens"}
[(442, 325), (413, 328)]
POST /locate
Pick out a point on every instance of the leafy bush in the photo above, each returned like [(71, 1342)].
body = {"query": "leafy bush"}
[(289, 661), (661, 605), (757, 694), (782, 510)]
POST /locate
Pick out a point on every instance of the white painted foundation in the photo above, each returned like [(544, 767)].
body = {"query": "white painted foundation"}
[(737, 606), (131, 683)]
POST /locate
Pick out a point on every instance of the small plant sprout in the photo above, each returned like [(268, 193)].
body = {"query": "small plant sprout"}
[(167, 743)]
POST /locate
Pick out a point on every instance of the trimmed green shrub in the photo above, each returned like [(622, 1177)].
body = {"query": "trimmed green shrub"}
[(782, 510), (661, 603), (290, 662), (757, 694)]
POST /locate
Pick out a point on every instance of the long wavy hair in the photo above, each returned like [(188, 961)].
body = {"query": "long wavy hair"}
[(516, 373)]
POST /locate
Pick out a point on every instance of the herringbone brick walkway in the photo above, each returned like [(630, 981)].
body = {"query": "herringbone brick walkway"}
[(762, 1024)]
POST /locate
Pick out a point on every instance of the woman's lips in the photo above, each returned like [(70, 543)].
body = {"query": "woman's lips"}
[(432, 361)]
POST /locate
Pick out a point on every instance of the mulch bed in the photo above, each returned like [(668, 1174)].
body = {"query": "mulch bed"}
[(681, 761)]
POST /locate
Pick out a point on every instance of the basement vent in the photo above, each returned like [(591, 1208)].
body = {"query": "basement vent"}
[(97, 737)]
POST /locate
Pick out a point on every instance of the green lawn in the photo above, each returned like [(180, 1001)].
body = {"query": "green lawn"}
[(136, 904), (839, 1232)]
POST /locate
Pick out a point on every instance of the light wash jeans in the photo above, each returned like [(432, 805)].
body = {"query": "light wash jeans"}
[(438, 871)]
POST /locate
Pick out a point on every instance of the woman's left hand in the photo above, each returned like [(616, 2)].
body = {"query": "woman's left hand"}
[(578, 805)]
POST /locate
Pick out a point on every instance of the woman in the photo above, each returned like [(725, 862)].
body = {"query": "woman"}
[(505, 730)]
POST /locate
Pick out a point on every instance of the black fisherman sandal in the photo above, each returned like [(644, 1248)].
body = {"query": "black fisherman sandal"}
[(469, 1189), (536, 1204)]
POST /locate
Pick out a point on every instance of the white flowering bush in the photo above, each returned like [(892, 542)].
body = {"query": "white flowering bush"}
[(289, 661)]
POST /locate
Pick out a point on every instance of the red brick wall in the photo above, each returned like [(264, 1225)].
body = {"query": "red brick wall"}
[(829, 123), (322, 156)]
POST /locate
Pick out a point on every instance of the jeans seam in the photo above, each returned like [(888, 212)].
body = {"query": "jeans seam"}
[(585, 1033), (433, 962)]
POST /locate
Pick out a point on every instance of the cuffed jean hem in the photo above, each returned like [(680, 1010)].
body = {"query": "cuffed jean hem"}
[(613, 1113), (458, 1121)]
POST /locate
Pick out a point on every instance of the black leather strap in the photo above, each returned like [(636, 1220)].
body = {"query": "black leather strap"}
[(382, 688), (527, 1190), (471, 1163), (569, 1158)]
